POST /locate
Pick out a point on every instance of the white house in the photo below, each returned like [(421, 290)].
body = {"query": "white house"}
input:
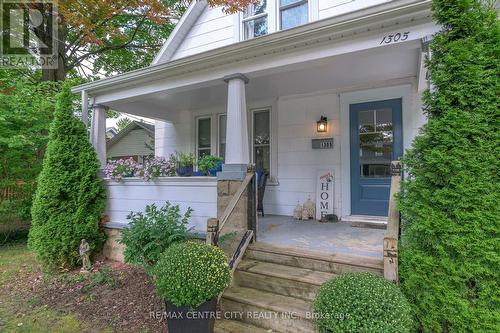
[(323, 94), (252, 86), (136, 140)]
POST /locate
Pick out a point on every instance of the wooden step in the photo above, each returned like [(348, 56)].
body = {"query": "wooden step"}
[(314, 260), (280, 279), (233, 326), (269, 311)]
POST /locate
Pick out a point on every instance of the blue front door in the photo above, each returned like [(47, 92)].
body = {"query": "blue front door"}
[(375, 139)]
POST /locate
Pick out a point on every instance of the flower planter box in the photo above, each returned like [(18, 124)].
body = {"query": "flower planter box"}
[(185, 171), (185, 319)]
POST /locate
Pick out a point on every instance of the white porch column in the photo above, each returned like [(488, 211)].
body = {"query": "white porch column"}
[(237, 151), (85, 108), (99, 132)]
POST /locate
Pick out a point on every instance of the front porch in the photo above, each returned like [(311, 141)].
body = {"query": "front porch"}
[(340, 237), (263, 110)]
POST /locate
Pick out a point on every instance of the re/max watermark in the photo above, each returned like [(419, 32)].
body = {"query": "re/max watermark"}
[(29, 34), (237, 315)]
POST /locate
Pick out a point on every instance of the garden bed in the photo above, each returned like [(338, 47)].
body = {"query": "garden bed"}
[(114, 297)]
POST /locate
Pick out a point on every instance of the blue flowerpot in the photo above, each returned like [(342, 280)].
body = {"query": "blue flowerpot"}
[(198, 173), (213, 172), (185, 171)]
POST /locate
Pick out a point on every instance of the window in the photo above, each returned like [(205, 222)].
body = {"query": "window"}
[(261, 134), (261, 137), (204, 137), (293, 13), (255, 20), (222, 135)]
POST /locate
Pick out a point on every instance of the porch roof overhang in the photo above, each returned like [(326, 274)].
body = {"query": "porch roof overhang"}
[(281, 51)]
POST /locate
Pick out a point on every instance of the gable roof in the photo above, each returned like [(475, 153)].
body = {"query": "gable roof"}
[(150, 128), (180, 31)]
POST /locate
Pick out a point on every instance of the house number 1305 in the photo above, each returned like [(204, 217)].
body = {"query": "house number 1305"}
[(393, 38)]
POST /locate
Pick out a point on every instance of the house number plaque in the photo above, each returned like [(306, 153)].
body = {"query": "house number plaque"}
[(322, 143)]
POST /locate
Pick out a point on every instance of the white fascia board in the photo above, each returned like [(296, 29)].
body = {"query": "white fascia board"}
[(180, 31), (292, 39)]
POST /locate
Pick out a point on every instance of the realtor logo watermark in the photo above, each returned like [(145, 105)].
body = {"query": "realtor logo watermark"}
[(29, 33)]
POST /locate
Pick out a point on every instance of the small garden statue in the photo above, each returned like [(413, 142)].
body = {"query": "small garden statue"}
[(84, 255)]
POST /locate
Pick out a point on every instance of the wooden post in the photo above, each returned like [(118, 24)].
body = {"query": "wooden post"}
[(392, 234), (212, 230), (252, 203)]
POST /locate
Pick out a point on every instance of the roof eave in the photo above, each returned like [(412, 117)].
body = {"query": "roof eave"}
[(248, 48)]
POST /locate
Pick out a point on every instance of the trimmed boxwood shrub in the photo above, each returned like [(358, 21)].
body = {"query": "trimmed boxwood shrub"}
[(450, 255), (70, 197), (190, 273), (361, 302)]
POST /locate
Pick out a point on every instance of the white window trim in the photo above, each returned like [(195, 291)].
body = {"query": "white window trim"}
[(196, 121), (273, 152), (291, 5), (219, 115), (273, 17), (243, 19)]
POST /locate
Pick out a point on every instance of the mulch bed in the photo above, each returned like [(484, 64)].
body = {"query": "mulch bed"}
[(131, 305)]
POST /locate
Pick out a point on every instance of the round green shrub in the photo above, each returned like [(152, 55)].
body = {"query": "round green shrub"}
[(189, 273), (361, 302)]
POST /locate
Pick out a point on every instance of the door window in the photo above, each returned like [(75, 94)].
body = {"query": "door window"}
[(375, 142)]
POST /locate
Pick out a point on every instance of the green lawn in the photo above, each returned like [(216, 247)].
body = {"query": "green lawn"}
[(18, 270)]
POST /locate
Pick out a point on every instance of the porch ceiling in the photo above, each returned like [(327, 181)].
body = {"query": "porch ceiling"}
[(341, 72)]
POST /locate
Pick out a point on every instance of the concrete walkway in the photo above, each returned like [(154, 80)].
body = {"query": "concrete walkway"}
[(337, 237)]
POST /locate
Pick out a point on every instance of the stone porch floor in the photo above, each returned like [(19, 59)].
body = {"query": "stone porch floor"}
[(311, 235)]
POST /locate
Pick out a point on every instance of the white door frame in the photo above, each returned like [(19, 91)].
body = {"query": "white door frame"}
[(346, 99)]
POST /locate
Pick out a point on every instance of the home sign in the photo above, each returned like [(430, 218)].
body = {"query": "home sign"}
[(324, 194)]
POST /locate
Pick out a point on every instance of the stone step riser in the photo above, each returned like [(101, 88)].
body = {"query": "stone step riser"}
[(268, 319), (281, 286), (309, 263)]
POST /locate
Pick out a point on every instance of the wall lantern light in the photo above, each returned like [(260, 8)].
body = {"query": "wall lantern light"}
[(322, 125)]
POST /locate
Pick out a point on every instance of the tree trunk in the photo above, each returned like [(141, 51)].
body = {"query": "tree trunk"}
[(58, 72)]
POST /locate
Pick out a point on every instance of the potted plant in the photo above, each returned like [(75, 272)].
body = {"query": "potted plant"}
[(210, 164), (185, 162), (190, 276)]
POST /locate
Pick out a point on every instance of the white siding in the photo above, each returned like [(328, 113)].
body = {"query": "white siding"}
[(199, 193), (298, 163), (213, 29), (330, 8), (134, 143), (173, 135)]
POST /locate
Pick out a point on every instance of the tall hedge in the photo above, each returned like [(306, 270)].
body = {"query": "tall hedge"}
[(70, 197), (450, 258)]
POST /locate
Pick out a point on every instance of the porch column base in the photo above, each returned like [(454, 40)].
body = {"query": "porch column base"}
[(233, 172)]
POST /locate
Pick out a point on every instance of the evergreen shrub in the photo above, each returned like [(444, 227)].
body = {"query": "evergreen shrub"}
[(450, 201), (70, 197)]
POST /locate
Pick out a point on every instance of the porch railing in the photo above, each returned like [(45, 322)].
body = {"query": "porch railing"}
[(393, 221), (238, 238)]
